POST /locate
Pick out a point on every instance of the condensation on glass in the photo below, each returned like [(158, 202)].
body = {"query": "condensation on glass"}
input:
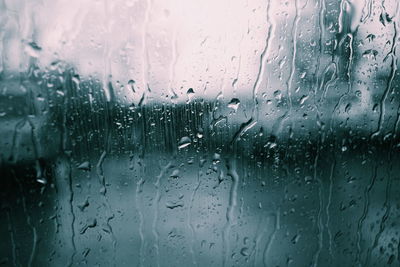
[(199, 133)]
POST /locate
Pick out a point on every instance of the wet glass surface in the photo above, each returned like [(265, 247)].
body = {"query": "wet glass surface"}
[(195, 133)]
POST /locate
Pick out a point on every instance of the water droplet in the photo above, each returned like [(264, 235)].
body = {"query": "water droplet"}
[(216, 158), (85, 166), (303, 99), (371, 37), (90, 223), (173, 205), (370, 54), (84, 205), (33, 50), (190, 92), (85, 252), (347, 108), (200, 133), (76, 80), (184, 142), (41, 180), (131, 84), (278, 94), (202, 162), (175, 174), (308, 179), (245, 251), (60, 93), (295, 239), (234, 104)]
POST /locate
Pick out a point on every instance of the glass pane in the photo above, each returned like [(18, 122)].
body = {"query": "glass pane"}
[(199, 133)]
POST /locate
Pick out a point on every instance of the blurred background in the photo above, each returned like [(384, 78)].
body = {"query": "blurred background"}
[(194, 133)]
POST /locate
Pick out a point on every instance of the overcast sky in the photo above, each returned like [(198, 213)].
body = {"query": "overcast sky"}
[(169, 46)]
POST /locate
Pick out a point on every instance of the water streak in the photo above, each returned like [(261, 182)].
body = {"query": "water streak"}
[(156, 204), (230, 216), (189, 216), (138, 191), (320, 226), (364, 214), (103, 191), (28, 221), (272, 237)]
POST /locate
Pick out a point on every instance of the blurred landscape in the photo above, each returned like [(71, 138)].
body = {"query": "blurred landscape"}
[(267, 135)]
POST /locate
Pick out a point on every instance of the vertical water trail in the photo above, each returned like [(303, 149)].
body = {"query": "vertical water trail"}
[(108, 92), (103, 192), (364, 215), (236, 79), (244, 127), (396, 124), (324, 86), (387, 204), (328, 205), (138, 191), (12, 239), (156, 204), (289, 81), (392, 55), (57, 223), (173, 63), (71, 208), (262, 224), (321, 36), (346, 31), (28, 221), (335, 58), (145, 52), (34, 139), (320, 52), (66, 160), (239, 59), (341, 15), (262, 66), (189, 216), (387, 207), (230, 216), (351, 58), (272, 237), (100, 175), (366, 14), (14, 156), (320, 226)]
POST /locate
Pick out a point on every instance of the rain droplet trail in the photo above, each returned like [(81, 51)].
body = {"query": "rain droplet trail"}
[(189, 216), (271, 237), (103, 191), (328, 206), (12, 239), (364, 214), (230, 216), (28, 221), (138, 191), (393, 71), (156, 204), (320, 226)]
